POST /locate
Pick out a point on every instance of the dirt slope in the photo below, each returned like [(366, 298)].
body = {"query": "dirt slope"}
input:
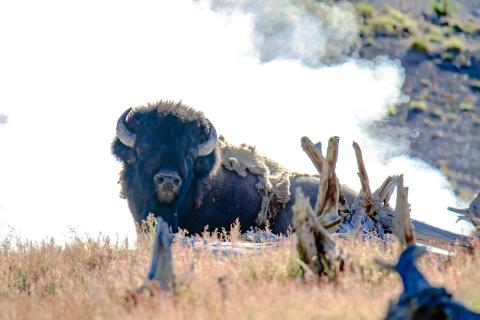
[(438, 44)]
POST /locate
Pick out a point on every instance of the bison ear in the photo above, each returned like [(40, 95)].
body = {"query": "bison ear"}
[(205, 165), (123, 153)]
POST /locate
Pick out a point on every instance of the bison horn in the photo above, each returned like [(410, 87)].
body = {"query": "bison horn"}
[(207, 147), (125, 136)]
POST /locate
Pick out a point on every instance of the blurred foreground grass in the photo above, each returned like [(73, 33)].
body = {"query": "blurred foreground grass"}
[(90, 279)]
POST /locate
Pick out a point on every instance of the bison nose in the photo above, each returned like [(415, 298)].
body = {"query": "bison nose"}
[(168, 180)]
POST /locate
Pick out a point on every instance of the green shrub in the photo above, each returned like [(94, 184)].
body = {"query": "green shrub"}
[(392, 22), (448, 56), (421, 44), (365, 9), (471, 27), (466, 106), (444, 8), (435, 37), (455, 44), (418, 105)]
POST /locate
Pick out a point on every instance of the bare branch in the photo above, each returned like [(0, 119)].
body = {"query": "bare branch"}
[(362, 173), (402, 226), (471, 214), (313, 153), (384, 193), (326, 206)]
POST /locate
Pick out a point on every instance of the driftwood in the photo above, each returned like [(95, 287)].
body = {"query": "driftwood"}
[(370, 212), (419, 299), (317, 250), (161, 269), (383, 213), (330, 199), (402, 225), (366, 193), (327, 204), (249, 243), (161, 277), (315, 154), (471, 214)]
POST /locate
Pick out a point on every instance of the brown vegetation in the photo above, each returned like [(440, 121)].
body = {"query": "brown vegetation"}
[(90, 279)]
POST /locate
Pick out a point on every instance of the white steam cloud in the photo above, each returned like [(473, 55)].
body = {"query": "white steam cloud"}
[(69, 70), (307, 30)]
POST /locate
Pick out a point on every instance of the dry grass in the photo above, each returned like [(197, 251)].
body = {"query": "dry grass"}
[(91, 280)]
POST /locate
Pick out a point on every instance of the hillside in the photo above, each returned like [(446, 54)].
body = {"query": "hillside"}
[(438, 44)]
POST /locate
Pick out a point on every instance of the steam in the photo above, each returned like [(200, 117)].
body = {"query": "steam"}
[(307, 30), (69, 71)]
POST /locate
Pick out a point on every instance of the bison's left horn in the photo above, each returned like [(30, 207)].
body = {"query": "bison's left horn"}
[(206, 148), (125, 136)]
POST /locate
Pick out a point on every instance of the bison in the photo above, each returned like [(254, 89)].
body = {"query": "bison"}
[(172, 167), (175, 167)]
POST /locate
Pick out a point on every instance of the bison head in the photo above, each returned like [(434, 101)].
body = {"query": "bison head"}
[(166, 148)]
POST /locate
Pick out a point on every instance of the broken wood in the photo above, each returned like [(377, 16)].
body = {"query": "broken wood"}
[(381, 215), (362, 174), (326, 207), (161, 269), (161, 277), (330, 205), (428, 234), (313, 152), (470, 214), (384, 193), (315, 246), (370, 213), (402, 225)]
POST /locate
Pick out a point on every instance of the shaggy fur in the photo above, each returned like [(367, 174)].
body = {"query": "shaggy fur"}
[(273, 179), (177, 109)]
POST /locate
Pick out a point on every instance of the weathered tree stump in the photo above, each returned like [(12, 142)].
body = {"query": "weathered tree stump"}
[(161, 278), (161, 269), (317, 250), (381, 215), (370, 212), (330, 205)]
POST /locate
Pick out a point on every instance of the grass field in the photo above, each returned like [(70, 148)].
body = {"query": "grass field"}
[(97, 279)]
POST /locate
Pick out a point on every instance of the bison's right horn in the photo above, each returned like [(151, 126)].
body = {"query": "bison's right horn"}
[(207, 147), (125, 136)]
